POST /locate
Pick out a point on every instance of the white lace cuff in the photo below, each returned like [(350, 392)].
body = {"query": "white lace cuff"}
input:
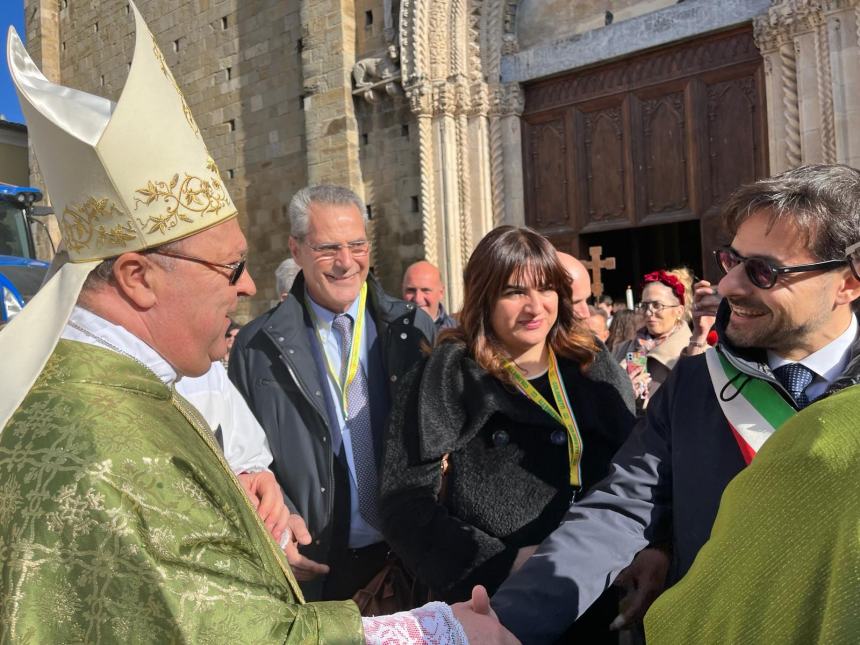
[(432, 624)]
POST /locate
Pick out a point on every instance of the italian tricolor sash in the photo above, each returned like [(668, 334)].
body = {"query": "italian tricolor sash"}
[(753, 408)]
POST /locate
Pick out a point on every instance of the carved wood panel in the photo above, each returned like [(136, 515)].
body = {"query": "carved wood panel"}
[(664, 151), (604, 168), (664, 136), (546, 148)]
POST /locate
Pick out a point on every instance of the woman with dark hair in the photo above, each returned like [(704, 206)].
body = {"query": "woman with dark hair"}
[(523, 408), (625, 323)]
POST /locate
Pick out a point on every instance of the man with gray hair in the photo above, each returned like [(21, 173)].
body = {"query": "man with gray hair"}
[(285, 274), (319, 371)]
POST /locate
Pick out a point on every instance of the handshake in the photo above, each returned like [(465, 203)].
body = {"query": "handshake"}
[(479, 621)]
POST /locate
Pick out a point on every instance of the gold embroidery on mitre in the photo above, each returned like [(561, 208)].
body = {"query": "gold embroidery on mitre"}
[(191, 196), (116, 236), (80, 224), (166, 71)]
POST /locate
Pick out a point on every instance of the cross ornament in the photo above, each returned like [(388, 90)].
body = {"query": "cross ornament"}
[(595, 265)]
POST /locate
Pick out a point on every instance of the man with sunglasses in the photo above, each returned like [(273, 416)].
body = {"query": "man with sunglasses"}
[(319, 371), (787, 337)]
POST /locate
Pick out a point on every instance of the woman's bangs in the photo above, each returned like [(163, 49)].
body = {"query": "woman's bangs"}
[(533, 272)]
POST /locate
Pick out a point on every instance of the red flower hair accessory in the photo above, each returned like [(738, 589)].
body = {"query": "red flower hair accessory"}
[(669, 280)]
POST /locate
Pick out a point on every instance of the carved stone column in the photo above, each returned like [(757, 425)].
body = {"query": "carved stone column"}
[(507, 154), (813, 83), (464, 150), (843, 33)]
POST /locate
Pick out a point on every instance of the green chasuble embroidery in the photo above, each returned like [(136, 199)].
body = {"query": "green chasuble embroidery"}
[(120, 522)]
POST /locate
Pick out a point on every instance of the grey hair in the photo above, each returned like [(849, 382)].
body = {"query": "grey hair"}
[(822, 200), (285, 274), (299, 209)]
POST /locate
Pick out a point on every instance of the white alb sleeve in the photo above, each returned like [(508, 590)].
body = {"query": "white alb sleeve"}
[(432, 624)]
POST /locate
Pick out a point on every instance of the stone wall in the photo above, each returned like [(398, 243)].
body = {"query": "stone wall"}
[(388, 145), (389, 165), (543, 21)]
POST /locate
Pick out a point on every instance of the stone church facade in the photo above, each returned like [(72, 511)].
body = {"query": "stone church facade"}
[(619, 123)]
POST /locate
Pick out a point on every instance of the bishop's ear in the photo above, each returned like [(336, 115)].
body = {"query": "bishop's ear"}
[(136, 276)]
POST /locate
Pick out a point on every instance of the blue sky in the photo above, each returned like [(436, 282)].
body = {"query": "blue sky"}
[(11, 13)]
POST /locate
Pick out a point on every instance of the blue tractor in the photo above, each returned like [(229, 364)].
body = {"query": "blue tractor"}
[(21, 274)]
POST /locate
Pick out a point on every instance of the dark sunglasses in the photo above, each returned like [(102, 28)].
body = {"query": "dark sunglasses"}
[(761, 272), (236, 268)]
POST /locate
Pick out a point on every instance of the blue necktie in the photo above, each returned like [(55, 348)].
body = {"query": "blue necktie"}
[(361, 433), (795, 378)]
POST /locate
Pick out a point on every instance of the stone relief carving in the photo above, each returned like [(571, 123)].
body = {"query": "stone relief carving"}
[(380, 74)]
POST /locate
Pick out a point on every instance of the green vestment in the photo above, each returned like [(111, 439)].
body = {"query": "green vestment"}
[(783, 562), (121, 522)]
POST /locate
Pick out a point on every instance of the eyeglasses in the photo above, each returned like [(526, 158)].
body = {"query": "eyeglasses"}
[(761, 272), (357, 248), (236, 268), (654, 306), (852, 256)]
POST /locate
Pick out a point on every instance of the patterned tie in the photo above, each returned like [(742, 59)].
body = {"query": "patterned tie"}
[(358, 411), (795, 378)]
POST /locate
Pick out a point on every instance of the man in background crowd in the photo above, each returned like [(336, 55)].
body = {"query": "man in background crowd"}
[(285, 274), (596, 322), (422, 284), (580, 283), (605, 304)]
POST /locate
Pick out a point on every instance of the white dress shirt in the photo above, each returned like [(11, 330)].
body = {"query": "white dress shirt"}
[(214, 396), (828, 363), (360, 532)]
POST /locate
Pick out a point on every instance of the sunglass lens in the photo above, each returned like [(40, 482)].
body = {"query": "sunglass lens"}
[(237, 273), (760, 273), (725, 261)]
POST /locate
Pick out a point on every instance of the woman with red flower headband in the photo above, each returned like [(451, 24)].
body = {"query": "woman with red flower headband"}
[(651, 355)]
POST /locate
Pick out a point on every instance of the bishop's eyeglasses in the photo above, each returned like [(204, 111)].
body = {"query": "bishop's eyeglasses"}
[(236, 268)]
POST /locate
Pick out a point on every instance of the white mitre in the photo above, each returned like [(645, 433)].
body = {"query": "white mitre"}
[(122, 177)]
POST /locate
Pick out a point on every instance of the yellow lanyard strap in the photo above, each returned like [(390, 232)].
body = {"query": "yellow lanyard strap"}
[(352, 362), (561, 413)]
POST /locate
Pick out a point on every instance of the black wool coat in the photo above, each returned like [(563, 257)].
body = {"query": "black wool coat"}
[(507, 484)]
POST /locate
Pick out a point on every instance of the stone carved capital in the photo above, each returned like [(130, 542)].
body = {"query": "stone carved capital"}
[(419, 93), (789, 18), (480, 103), (507, 100), (452, 97)]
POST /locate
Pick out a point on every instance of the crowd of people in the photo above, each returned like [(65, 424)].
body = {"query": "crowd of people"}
[(357, 467)]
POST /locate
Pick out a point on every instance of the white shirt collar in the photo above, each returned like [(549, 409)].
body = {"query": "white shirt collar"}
[(828, 362), (120, 338), (324, 317)]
